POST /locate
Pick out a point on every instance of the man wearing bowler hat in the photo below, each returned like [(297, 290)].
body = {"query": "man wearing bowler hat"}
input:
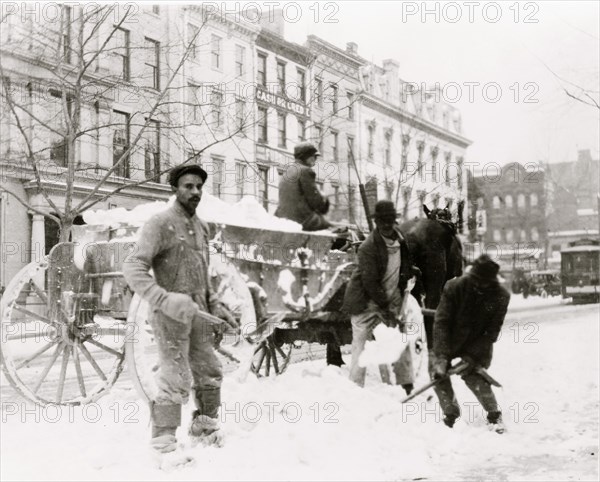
[(467, 323), (374, 292), (299, 197), (174, 244)]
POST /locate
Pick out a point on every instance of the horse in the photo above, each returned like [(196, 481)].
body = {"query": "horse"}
[(436, 250)]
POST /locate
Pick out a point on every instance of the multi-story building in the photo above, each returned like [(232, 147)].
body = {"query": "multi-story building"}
[(573, 190), (508, 214), (175, 83)]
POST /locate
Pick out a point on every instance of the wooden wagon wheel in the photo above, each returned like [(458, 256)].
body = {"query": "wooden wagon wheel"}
[(48, 355), (271, 357), (141, 350)]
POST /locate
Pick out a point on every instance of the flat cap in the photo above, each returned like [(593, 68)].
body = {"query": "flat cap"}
[(304, 150), (179, 171)]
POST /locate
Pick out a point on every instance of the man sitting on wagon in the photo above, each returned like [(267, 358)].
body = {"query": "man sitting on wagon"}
[(299, 197)]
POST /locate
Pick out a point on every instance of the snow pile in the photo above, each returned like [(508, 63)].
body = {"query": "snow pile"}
[(312, 423), (247, 213), (387, 347)]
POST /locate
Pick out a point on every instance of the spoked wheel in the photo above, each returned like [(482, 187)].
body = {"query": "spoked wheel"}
[(271, 357), (53, 357)]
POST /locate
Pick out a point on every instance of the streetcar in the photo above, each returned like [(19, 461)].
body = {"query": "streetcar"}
[(580, 271)]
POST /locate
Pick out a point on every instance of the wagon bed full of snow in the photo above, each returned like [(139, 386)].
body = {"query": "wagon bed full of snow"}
[(70, 323)]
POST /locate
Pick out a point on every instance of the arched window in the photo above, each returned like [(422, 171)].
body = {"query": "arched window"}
[(533, 199), (535, 235), (479, 203), (509, 236), (509, 201), (521, 200), (496, 202), (523, 236), (497, 235)]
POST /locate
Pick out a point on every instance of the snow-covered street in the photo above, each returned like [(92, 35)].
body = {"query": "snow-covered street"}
[(313, 423)]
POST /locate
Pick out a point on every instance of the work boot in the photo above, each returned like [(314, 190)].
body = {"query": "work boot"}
[(165, 420), (449, 421), (163, 439), (205, 430), (408, 388), (495, 422)]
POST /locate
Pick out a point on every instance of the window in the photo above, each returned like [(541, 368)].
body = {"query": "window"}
[(508, 200), (447, 168), (59, 150), (334, 97), (371, 140), (319, 138), (497, 235), (193, 41), (420, 149), (535, 235), (261, 70), (533, 199), (389, 190), (281, 130), (281, 77), (193, 103), (263, 186), (67, 22), (521, 200), (405, 144), (262, 125), (217, 177), (436, 201), (121, 50), (350, 144), (319, 91), (215, 51), (523, 235), (336, 196), (240, 60), (434, 153), (350, 97), (334, 145), (405, 201), (240, 113), (301, 85), (301, 130), (240, 178), (152, 150), (480, 203), (509, 236), (152, 74), (217, 108), (422, 195), (459, 174), (120, 142), (496, 202), (388, 148)]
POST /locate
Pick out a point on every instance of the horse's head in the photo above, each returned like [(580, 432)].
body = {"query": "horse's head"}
[(438, 214)]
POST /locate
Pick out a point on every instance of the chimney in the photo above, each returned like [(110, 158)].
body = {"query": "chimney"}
[(391, 65), (276, 24), (352, 48), (584, 155)]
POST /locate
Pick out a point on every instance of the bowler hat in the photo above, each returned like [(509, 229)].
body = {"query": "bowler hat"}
[(385, 210), (179, 171), (485, 269), (304, 150)]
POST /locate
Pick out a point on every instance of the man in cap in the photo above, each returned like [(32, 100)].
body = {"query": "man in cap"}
[(374, 292), (299, 197), (174, 244), (467, 323)]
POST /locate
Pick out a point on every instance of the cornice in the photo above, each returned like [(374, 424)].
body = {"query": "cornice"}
[(272, 42), (368, 100), (317, 44)]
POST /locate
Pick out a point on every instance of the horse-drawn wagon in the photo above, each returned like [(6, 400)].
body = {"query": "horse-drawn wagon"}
[(70, 323)]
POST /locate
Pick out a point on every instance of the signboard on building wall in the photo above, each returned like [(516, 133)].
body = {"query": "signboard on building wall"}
[(481, 222), (282, 102)]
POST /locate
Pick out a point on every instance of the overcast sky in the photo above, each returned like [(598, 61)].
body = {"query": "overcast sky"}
[(565, 38)]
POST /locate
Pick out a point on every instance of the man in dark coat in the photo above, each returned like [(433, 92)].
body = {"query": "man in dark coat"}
[(299, 197), (374, 292), (467, 323)]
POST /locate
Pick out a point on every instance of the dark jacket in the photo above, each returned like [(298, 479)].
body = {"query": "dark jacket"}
[(468, 319), (300, 199), (366, 282)]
